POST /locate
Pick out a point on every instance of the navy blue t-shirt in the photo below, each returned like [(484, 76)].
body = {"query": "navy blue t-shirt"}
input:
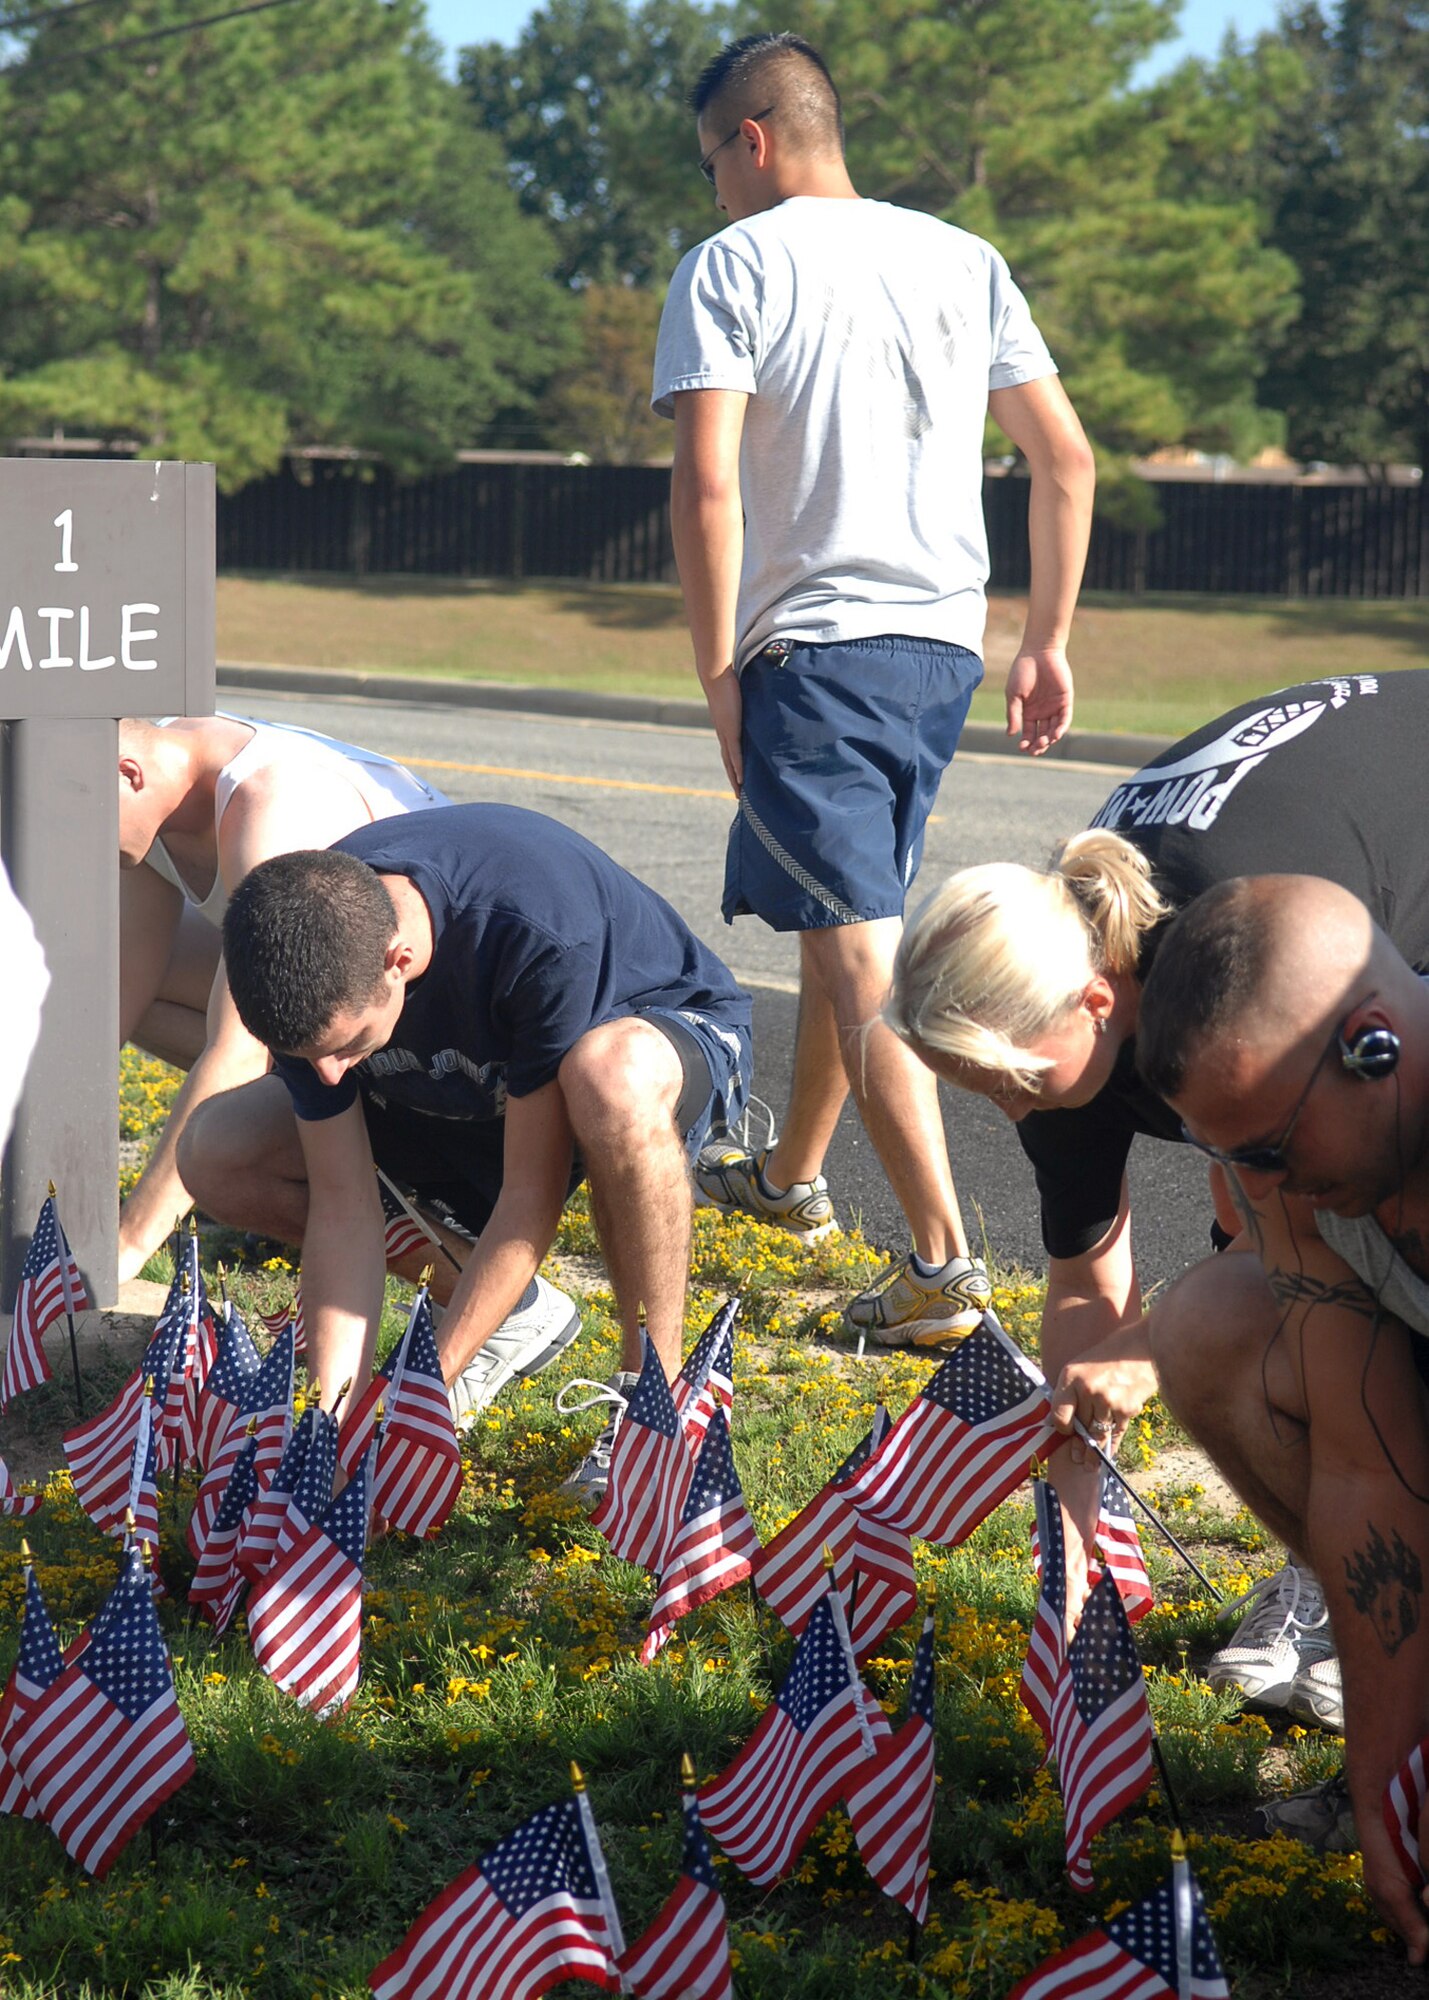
[(537, 937)]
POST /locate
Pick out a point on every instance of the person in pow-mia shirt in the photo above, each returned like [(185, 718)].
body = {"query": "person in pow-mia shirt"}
[(1025, 987)]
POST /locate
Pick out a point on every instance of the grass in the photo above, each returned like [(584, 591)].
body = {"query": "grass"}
[(1159, 665), (301, 1851)]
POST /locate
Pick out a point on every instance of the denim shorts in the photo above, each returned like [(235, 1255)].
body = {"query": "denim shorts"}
[(844, 747), (458, 1163)]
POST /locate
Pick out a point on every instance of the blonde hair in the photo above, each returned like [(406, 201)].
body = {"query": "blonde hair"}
[(996, 955)]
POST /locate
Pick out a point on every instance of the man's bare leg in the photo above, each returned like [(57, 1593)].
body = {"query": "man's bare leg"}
[(621, 1084), (896, 1094), (818, 1088)]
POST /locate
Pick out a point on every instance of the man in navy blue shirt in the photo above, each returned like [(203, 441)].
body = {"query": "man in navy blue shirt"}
[(490, 1009)]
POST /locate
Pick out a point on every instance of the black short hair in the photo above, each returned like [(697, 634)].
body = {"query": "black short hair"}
[(305, 938), (784, 71), (1208, 970)]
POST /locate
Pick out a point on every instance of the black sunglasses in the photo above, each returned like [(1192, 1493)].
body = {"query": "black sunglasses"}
[(1266, 1159), (705, 168)]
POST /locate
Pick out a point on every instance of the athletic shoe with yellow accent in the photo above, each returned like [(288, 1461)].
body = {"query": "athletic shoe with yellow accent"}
[(728, 1178), (904, 1309)]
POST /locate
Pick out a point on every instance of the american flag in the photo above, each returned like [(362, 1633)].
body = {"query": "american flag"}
[(789, 1572), (234, 1366), (100, 1450), (890, 1804), (1403, 1810), (1120, 1546), (650, 1471), (50, 1284), (1140, 1954), (218, 1583), (291, 1315), (706, 1382), (299, 1493), (401, 1234), (142, 1502), (806, 1748), (529, 1915), (305, 1617), (39, 1666), (419, 1469), (685, 1953), (182, 1415), (714, 1543), (1088, 1698), (105, 1745), (961, 1445), (267, 1399), (12, 1500)]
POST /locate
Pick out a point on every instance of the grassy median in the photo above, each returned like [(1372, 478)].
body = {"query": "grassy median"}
[(301, 1850), (1160, 665)]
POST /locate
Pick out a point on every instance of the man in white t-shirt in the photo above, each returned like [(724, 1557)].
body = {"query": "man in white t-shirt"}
[(829, 364)]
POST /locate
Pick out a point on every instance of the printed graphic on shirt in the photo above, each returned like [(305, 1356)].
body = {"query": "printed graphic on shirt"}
[(1192, 790)]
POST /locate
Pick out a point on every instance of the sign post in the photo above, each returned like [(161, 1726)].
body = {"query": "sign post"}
[(106, 610)]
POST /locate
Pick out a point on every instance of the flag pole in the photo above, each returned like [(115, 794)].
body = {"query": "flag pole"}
[(836, 1606), (1152, 1516), (601, 1873), (1183, 1915), (418, 1219), (68, 1290)]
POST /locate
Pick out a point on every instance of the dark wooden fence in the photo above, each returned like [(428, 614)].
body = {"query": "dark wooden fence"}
[(611, 524)]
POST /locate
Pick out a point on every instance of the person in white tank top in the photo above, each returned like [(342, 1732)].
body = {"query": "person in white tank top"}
[(201, 801)]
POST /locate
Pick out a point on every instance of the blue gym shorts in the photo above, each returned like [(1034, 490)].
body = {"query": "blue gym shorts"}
[(844, 746), (457, 1163)]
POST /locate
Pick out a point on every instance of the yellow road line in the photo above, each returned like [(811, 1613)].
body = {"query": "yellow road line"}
[(564, 778), (570, 778)]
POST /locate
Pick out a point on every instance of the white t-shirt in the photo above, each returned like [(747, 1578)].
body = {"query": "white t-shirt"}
[(867, 338), (27, 980)]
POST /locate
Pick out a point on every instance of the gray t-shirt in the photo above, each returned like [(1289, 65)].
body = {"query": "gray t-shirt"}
[(1362, 1243), (867, 338)]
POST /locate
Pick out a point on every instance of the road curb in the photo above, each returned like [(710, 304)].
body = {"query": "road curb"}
[(1088, 746)]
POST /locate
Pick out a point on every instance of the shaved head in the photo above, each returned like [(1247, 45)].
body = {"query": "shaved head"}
[(1264, 961), (783, 73)]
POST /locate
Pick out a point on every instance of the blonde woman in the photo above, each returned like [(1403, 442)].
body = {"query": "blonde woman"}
[(1025, 988)]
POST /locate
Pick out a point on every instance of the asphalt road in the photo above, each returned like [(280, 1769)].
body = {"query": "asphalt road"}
[(656, 800)]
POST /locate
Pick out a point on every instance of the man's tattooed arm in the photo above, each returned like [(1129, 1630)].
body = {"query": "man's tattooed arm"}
[(1386, 1582), (1298, 1288)]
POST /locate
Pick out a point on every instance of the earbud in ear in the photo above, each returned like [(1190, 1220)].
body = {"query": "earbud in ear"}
[(1372, 1055)]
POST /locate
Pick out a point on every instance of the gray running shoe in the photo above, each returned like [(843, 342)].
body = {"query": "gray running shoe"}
[(527, 1341), (1285, 1630), (733, 1181), (1316, 1696), (1322, 1817), (901, 1308), (591, 1477)]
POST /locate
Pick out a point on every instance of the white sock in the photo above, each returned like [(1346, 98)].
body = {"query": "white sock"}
[(931, 1270)]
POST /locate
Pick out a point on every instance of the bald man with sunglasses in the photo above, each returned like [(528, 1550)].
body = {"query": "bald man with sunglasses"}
[(1292, 1039)]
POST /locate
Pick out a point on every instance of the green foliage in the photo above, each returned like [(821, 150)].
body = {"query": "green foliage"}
[(589, 107), (270, 233), (1348, 198)]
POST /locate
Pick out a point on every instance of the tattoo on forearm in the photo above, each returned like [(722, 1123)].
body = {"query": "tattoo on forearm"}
[(1386, 1583), (1298, 1288)]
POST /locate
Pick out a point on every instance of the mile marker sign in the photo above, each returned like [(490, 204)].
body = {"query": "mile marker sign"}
[(106, 610)]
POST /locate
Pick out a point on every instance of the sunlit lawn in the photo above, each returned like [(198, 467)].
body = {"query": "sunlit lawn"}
[(1158, 665), (301, 1851)]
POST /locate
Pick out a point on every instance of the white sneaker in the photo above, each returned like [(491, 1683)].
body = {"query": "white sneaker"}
[(526, 1341), (1317, 1697), (1285, 1632), (591, 1477)]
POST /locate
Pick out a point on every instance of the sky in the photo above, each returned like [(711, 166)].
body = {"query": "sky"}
[(1203, 24)]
